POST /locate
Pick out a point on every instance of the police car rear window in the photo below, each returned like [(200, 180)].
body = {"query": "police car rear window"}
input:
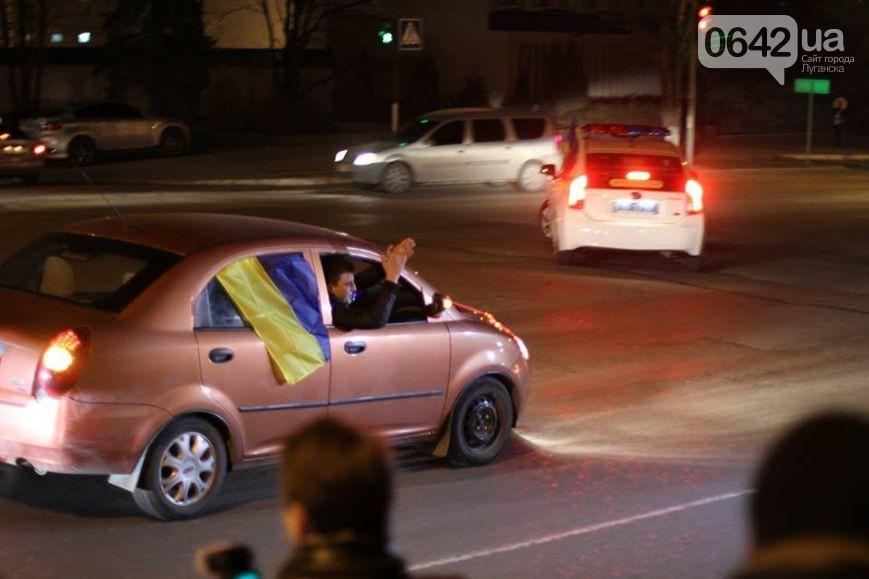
[(529, 129), (665, 171), (633, 162)]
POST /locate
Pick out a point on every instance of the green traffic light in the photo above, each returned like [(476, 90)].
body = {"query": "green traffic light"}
[(385, 36)]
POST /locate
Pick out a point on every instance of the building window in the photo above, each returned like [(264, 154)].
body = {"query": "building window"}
[(57, 37), (84, 37)]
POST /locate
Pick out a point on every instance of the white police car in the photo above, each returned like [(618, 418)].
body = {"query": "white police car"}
[(626, 188)]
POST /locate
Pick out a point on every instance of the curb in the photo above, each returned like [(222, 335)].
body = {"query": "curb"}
[(278, 182), (840, 157)]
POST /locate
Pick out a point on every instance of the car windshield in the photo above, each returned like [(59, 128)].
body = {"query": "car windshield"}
[(414, 130), (92, 271)]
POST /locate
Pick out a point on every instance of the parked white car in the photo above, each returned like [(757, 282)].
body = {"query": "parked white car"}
[(625, 188), (458, 146), (83, 131)]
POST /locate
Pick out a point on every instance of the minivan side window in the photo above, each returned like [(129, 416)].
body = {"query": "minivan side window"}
[(452, 133), (488, 130), (529, 129)]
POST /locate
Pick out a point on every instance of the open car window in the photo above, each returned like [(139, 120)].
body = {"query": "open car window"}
[(409, 304)]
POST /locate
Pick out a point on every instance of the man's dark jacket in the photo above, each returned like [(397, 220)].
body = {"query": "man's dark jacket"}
[(368, 316)]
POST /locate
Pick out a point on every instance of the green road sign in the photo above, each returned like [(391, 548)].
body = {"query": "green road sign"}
[(812, 85)]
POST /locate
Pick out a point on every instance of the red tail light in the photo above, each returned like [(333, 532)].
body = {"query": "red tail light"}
[(39, 149), (49, 126), (576, 193), (695, 196), (558, 138), (62, 362)]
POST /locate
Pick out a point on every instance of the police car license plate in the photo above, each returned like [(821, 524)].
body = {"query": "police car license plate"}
[(636, 206)]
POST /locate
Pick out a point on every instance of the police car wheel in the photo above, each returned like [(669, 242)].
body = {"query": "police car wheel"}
[(544, 219), (480, 423), (692, 263)]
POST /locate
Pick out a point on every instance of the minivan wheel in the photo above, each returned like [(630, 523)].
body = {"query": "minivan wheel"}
[(544, 219), (396, 178), (530, 178), (173, 142), (480, 423), (183, 472), (82, 151)]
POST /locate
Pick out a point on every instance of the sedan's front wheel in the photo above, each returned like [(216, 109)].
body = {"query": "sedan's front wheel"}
[(396, 178), (480, 424), (183, 472)]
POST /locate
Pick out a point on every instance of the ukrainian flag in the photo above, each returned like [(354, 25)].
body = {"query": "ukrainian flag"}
[(277, 295)]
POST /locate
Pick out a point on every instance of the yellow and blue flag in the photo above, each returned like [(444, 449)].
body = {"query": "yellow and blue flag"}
[(277, 295)]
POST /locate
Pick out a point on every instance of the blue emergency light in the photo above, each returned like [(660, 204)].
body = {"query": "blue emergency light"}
[(617, 130)]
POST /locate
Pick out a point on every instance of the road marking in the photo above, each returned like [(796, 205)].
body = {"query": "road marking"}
[(576, 532)]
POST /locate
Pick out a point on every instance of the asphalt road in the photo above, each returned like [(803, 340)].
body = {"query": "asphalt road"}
[(654, 394)]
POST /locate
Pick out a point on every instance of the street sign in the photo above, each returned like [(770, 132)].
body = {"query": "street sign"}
[(812, 85), (410, 34)]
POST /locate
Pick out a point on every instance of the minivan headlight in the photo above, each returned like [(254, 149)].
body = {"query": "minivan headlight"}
[(363, 159)]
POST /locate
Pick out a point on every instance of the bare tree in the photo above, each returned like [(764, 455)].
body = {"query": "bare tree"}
[(24, 25), (292, 27)]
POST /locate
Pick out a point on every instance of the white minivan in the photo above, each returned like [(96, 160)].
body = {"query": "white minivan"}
[(458, 146)]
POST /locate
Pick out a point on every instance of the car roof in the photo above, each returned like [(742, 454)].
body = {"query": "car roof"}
[(636, 146), (186, 233), (483, 112)]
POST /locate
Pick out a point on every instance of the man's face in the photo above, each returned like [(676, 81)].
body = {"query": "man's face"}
[(345, 289)]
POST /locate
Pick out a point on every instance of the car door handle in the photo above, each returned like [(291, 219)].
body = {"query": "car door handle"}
[(221, 355), (354, 348)]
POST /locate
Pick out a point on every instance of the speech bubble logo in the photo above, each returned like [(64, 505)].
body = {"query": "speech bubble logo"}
[(769, 42)]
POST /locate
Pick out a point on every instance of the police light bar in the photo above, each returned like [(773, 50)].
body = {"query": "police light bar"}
[(625, 130)]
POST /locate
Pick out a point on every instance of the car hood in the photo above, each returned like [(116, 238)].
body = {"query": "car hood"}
[(372, 147)]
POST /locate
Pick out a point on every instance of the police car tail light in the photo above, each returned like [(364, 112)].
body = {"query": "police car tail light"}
[(695, 196), (62, 362), (576, 192)]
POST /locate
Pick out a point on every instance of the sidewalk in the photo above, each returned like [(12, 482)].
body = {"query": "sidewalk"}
[(756, 151)]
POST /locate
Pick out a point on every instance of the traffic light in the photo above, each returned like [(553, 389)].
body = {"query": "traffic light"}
[(386, 34), (702, 13)]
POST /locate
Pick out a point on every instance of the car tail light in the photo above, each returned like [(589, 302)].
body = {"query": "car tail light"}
[(49, 126), (695, 196), (62, 362), (576, 192), (39, 149)]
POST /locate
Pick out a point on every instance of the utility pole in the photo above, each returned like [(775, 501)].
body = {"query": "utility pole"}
[(691, 115)]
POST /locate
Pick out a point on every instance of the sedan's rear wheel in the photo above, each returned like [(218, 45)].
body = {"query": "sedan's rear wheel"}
[(173, 142), (183, 472), (82, 151), (480, 423)]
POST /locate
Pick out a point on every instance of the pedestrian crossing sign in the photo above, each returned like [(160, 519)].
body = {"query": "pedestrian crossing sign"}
[(410, 34)]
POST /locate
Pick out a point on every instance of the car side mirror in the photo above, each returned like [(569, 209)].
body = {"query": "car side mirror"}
[(548, 170), (439, 303)]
